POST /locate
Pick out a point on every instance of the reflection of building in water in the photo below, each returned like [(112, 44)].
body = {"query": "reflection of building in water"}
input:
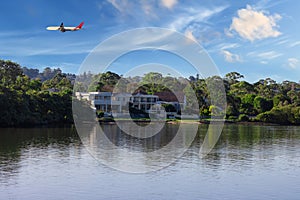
[(107, 101)]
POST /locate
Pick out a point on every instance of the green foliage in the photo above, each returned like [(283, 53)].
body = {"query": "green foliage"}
[(266, 88), (243, 118), (204, 112), (28, 96), (232, 118), (216, 91), (231, 111), (169, 107), (247, 104), (279, 100), (100, 114), (233, 77), (262, 105), (25, 101), (241, 88), (153, 82), (9, 72), (281, 115), (248, 99), (59, 82), (103, 82), (215, 110)]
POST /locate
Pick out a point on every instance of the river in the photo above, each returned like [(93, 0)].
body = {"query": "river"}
[(248, 162)]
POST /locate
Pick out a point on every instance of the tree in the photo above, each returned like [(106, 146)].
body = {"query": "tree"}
[(169, 107), (233, 105), (266, 88), (262, 105), (9, 71), (247, 104), (58, 82), (279, 100), (153, 82), (104, 82), (31, 73), (294, 97), (233, 77), (216, 90), (241, 88)]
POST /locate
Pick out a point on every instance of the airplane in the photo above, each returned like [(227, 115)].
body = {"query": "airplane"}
[(63, 28)]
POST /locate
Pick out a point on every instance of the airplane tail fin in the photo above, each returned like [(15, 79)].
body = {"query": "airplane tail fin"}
[(80, 25)]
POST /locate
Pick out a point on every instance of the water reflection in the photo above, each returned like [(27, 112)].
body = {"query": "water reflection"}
[(246, 158), (243, 147), (238, 146), (19, 144), (116, 149)]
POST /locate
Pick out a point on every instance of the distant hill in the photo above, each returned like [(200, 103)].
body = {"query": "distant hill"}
[(47, 74)]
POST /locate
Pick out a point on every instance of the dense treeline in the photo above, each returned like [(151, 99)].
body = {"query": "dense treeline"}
[(29, 97), (25, 101), (264, 101), (46, 74)]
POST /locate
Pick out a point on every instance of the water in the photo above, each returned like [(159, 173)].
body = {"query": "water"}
[(249, 162)]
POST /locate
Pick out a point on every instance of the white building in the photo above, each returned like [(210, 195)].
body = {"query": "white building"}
[(145, 102), (98, 100), (119, 102)]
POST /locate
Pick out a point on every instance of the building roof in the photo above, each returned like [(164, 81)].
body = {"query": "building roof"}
[(169, 96)]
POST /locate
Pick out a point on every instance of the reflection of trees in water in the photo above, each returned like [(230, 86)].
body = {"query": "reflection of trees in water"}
[(248, 145), (239, 145), (17, 144), (157, 141)]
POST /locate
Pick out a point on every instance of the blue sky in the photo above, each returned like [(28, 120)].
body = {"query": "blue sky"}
[(258, 39)]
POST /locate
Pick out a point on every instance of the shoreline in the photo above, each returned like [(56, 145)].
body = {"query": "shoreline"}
[(246, 123), (174, 122)]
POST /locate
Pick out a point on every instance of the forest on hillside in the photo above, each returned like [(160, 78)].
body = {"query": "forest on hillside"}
[(29, 97), (25, 101)]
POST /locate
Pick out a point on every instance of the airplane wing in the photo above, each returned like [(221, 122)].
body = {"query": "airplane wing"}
[(53, 28)]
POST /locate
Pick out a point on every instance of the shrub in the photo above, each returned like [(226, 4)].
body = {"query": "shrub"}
[(100, 114), (243, 118), (281, 115), (262, 104), (232, 118)]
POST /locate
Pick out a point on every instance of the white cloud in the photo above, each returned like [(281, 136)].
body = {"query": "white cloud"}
[(293, 63), (129, 8), (255, 25), (228, 46), (169, 3), (41, 45), (120, 5), (193, 16), (228, 33), (189, 34), (230, 57), (263, 62), (283, 41), (297, 43), (148, 9), (269, 55)]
